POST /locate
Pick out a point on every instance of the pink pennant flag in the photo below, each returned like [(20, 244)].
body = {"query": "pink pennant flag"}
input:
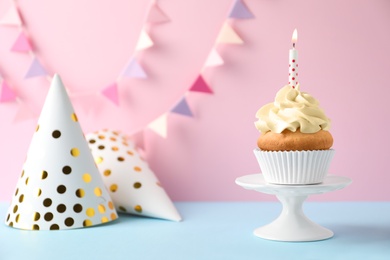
[(200, 85), (24, 113), (36, 70), (159, 126), (7, 93), (22, 44), (182, 108), (111, 92), (240, 11), (144, 41), (134, 70), (11, 17), (214, 59), (156, 15), (228, 35)]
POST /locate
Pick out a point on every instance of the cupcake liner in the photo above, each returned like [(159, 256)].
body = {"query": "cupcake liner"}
[(294, 167)]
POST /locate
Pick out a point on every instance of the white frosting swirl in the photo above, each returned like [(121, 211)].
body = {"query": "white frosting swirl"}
[(291, 110)]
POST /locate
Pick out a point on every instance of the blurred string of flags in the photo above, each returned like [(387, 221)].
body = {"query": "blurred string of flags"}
[(155, 15)]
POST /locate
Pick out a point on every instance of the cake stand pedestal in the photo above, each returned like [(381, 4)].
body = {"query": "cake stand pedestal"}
[(292, 224)]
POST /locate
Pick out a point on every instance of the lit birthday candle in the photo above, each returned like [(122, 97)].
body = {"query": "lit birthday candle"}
[(293, 62)]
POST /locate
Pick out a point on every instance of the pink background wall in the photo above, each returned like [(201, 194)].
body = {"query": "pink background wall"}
[(344, 61)]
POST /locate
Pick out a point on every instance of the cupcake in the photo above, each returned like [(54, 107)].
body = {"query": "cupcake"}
[(294, 146)]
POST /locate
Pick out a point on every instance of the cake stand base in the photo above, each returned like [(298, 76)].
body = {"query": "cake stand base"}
[(292, 224)]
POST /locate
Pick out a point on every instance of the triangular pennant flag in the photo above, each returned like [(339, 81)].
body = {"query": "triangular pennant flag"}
[(214, 59), (11, 17), (228, 35), (24, 113), (156, 15), (182, 108), (133, 186), (60, 186), (22, 44), (240, 11), (111, 92), (6, 93), (159, 126), (134, 70), (36, 70), (144, 41), (200, 85)]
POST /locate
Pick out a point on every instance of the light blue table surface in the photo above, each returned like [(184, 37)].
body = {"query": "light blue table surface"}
[(211, 230)]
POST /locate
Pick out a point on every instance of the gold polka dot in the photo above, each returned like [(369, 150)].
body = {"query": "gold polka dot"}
[(66, 169), (44, 175), (107, 172), (98, 160), (38, 192), (47, 202), (90, 212), (121, 159), (125, 144), (121, 208), (77, 208), (36, 216), (54, 227), (15, 208), (22, 174), (21, 198), (110, 205), (36, 129), (80, 193), (113, 187), (27, 181), (8, 217), (114, 148), (69, 222), (61, 189), (130, 153), (48, 216), (98, 191), (101, 137), (104, 219), (137, 169), (113, 216), (61, 208), (101, 208), (101, 147), (115, 133), (17, 218), (74, 117), (35, 227), (138, 208), (17, 191), (87, 177), (56, 134), (75, 152), (92, 141), (112, 138), (137, 185), (87, 223)]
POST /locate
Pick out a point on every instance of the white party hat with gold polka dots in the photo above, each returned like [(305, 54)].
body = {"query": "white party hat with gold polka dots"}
[(60, 186), (133, 186)]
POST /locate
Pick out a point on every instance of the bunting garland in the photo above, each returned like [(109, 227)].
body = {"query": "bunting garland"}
[(133, 68)]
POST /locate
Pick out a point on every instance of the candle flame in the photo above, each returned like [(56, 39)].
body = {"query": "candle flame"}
[(294, 37)]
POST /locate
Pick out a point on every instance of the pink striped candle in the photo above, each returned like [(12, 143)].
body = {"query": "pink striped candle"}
[(293, 62)]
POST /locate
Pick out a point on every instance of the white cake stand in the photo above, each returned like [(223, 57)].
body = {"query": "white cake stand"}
[(292, 224)]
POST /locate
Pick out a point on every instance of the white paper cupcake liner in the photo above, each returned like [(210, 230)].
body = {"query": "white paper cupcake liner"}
[(294, 167)]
